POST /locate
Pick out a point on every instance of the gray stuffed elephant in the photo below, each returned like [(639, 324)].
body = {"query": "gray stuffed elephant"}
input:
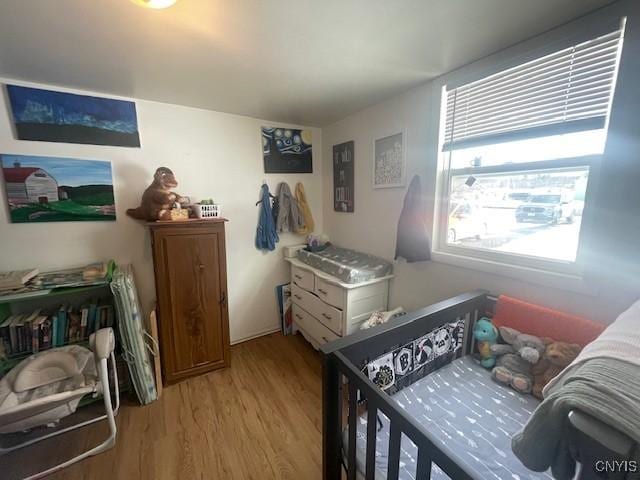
[(515, 358)]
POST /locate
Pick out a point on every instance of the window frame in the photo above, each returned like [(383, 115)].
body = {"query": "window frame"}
[(549, 272), (528, 261)]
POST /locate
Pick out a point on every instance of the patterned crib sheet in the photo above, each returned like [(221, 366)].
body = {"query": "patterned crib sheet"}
[(350, 266), (471, 418)]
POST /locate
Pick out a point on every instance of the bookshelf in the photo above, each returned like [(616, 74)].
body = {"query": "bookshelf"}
[(49, 302)]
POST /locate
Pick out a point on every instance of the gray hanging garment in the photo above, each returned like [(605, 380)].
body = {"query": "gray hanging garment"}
[(289, 217), (412, 241)]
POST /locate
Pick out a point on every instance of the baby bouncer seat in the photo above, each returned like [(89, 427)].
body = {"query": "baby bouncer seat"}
[(47, 386)]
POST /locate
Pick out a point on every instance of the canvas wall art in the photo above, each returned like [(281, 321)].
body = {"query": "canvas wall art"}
[(50, 116), (388, 162), (343, 177), (286, 150), (53, 189)]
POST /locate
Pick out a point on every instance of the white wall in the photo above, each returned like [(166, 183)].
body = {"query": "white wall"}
[(212, 154), (614, 257)]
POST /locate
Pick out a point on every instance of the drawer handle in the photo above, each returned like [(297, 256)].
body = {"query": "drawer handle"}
[(298, 316), (328, 317), (297, 296), (298, 277), (324, 292)]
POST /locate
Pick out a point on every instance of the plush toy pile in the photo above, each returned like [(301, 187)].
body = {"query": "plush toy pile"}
[(524, 362)]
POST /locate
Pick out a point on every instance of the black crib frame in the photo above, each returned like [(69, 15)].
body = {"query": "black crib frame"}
[(343, 359)]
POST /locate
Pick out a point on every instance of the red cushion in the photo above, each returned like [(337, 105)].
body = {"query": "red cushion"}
[(544, 322)]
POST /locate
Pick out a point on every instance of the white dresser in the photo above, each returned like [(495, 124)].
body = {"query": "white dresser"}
[(324, 308)]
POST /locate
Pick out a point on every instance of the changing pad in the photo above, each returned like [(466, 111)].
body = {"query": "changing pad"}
[(470, 417), (350, 266)]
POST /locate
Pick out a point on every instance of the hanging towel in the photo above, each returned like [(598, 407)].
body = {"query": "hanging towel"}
[(289, 217), (309, 224), (266, 235), (412, 242)]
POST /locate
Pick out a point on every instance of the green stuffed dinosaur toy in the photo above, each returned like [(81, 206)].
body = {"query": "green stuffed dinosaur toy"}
[(486, 334)]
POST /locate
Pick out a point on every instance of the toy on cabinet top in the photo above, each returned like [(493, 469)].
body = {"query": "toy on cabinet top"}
[(158, 199)]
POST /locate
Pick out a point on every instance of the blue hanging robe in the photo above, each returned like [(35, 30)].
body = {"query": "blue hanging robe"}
[(266, 235)]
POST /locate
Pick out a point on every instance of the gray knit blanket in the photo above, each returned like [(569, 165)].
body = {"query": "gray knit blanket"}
[(605, 388)]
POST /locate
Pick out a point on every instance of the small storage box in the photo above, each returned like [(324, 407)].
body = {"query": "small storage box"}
[(207, 211)]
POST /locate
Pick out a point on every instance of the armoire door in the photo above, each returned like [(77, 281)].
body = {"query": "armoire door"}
[(192, 300)]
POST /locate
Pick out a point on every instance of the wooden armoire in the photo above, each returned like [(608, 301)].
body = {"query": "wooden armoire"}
[(191, 287)]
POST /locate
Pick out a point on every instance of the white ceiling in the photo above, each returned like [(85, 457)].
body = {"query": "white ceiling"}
[(308, 62)]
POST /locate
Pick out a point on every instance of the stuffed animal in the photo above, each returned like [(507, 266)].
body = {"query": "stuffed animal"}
[(486, 335), (515, 359), (158, 199), (379, 317), (557, 356)]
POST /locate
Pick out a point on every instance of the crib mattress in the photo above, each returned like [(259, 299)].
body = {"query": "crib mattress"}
[(471, 418), (349, 266)]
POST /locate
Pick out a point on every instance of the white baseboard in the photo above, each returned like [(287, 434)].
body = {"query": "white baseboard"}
[(261, 333)]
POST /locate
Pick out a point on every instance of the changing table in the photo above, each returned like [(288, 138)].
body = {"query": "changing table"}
[(325, 308)]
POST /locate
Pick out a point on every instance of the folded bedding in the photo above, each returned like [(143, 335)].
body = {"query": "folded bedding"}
[(468, 415), (349, 266), (603, 382)]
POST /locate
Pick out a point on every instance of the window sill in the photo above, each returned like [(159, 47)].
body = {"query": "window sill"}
[(547, 278)]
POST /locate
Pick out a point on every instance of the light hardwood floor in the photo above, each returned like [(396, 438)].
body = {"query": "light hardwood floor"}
[(259, 419)]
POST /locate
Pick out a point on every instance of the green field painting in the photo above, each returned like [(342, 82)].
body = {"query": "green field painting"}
[(52, 189)]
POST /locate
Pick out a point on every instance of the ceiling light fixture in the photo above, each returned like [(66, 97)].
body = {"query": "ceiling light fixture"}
[(157, 4)]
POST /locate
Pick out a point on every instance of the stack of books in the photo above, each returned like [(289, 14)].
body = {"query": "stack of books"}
[(16, 279), (25, 333)]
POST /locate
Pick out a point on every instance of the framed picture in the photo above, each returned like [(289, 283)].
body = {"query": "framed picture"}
[(54, 189), (343, 177), (287, 150), (388, 161), (50, 116)]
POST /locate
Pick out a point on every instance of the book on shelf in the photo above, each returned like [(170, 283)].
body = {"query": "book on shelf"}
[(25, 333), (16, 279), (38, 339), (45, 333), (61, 330), (91, 321), (73, 327), (84, 317), (95, 271), (14, 326)]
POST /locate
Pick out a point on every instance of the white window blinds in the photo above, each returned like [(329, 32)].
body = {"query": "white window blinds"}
[(563, 92)]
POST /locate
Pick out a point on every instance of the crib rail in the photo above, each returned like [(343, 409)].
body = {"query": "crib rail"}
[(343, 360)]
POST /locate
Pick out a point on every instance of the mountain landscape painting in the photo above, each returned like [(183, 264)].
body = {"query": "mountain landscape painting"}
[(53, 189), (50, 116)]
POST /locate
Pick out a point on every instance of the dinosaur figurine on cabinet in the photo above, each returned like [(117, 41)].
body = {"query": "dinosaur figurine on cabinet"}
[(158, 199)]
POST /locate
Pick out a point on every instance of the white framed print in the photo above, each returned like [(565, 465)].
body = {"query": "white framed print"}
[(389, 160)]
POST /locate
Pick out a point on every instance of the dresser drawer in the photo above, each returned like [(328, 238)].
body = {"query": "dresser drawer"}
[(331, 317), (330, 294), (307, 300), (312, 326), (303, 278)]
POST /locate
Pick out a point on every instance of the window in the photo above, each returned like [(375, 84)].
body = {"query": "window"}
[(517, 149)]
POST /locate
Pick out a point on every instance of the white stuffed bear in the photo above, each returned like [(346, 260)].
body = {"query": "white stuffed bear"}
[(380, 317)]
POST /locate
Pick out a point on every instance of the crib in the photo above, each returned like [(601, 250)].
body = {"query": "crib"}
[(353, 438)]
